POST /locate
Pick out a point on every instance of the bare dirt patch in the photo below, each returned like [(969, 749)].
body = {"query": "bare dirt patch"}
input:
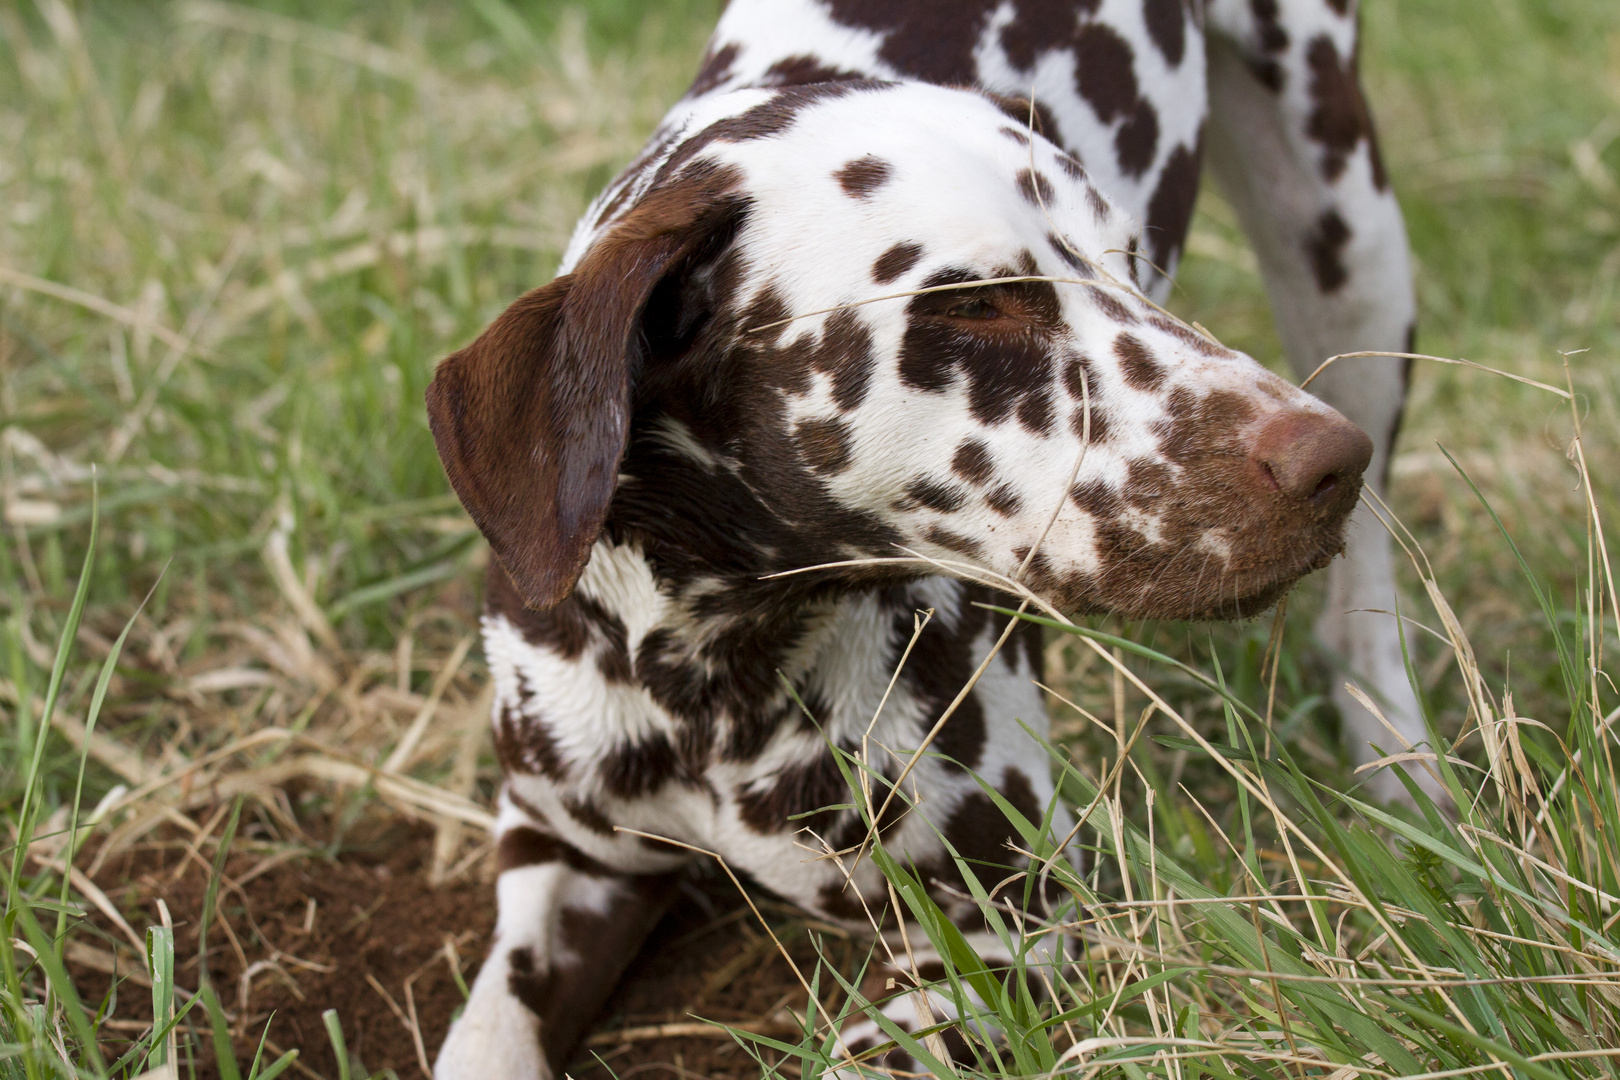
[(367, 935)]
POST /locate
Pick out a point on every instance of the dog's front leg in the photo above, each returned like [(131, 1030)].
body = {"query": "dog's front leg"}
[(567, 928), (1293, 147)]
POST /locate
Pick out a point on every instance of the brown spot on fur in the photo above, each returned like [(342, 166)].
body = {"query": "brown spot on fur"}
[(1099, 205), (846, 355), (844, 352), (1035, 413), (1400, 414), (1167, 26), (799, 70), (924, 491), (1142, 371), (972, 462), (1267, 73), (1039, 566), (945, 538), (1340, 119), (1105, 76), (1097, 499), (1171, 208), (526, 982), (1035, 188), (981, 833), (1066, 252), (568, 993), (1091, 392), (714, 70), (940, 665), (769, 805), (933, 43), (1271, 40), (1137, 140), (861, 177), (525, 745), (1020, 794), (1072, 372), (896, 261), (640, 768), (764, 121), (1325, 246), (588, 814), (1004, 500), (1105, 72), (1191, 338), (825, 445), (1147, 481), (1038, 27), (1111, 306), (1202, 427), (523, 845), (1273, 37), (1019, 110)]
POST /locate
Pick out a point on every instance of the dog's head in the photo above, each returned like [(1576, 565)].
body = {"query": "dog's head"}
[(892, 317)]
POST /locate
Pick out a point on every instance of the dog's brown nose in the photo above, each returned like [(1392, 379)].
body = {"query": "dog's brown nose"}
[(1311, 455)]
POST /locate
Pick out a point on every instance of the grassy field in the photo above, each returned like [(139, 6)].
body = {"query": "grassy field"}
[(233, 242)]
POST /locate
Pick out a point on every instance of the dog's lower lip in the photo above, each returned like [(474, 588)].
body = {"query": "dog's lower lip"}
[(1259, 592)]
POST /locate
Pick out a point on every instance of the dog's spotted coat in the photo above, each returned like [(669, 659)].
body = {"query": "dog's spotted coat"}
[(764, 353)]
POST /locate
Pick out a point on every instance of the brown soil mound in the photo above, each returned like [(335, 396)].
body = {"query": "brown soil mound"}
[(368, 936)]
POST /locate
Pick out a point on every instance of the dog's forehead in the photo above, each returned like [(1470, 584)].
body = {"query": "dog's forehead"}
[(946, 172)]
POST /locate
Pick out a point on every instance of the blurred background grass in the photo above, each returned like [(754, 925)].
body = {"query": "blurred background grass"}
[(235, 239)]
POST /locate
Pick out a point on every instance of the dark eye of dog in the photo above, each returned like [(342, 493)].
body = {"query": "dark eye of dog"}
[(975, 309)]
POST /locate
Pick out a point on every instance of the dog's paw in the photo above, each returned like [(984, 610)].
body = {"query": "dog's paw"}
[(496, 1038), (857, 1054)]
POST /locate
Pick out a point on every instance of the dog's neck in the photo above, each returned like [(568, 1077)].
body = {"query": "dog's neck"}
[(678, 600), (735, 546)]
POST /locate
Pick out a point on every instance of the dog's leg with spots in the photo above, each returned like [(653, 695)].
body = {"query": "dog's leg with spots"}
[(1032, 904), (1293, 147), (567, 928)]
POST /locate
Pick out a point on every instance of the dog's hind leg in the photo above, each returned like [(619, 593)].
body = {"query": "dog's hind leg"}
[(567, 928)]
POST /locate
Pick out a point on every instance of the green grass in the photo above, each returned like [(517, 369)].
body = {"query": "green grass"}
[(273, 220)]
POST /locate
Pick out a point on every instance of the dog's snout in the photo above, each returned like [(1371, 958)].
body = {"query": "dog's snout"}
[(1311, 456)]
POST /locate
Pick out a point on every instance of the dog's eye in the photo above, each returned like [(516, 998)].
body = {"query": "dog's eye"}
[(975, 309)]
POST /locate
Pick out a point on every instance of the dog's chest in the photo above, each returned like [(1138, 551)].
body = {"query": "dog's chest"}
[(622, 691), (616, 705)]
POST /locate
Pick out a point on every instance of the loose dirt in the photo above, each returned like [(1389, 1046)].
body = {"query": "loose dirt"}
[(367, 935)]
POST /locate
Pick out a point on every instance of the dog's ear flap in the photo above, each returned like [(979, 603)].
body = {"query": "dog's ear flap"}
[(531, 419)]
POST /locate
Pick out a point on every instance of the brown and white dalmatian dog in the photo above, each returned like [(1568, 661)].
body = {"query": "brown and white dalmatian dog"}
[(884, 282)]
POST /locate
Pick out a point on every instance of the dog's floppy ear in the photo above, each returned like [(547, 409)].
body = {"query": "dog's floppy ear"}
[(531, 419)]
